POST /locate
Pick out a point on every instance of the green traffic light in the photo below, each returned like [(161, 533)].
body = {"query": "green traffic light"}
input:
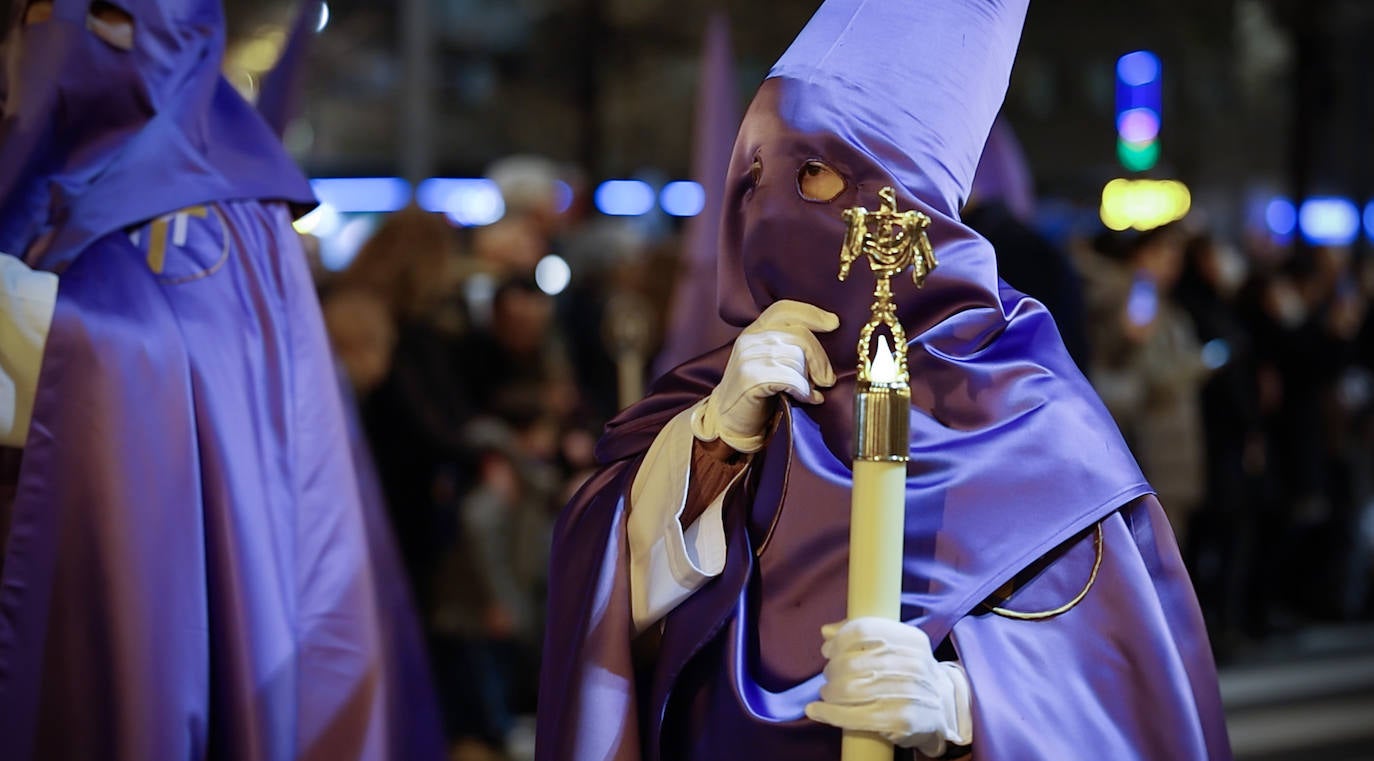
[(1137, 157)]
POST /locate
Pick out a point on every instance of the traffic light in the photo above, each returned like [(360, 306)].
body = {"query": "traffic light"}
[(1137, 110)]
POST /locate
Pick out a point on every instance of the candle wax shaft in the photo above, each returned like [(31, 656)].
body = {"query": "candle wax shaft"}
[(876, 530)]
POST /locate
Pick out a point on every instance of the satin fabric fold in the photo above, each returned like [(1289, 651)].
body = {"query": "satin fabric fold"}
[(1126, 674)]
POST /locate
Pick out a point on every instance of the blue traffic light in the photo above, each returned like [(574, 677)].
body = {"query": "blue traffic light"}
[(1138, 69), (1138, 76)]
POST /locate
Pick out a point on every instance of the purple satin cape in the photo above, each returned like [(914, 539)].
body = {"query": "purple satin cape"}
[(1126, 674), (187, 572)]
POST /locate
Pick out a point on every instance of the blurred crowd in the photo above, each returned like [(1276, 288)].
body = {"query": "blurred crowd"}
[(1242, 374), (483, 363), (1242, 377)]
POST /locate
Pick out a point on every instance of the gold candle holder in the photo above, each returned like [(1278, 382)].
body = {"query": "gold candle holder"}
[(891, 241)]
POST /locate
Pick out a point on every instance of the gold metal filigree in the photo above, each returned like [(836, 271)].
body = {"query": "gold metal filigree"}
[(892, 241)]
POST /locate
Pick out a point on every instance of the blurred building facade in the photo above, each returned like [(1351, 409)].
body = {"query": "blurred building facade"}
[(1261, 97)]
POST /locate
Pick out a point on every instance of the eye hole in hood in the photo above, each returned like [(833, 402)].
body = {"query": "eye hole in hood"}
[(112, 24), (818, 182), (38, 11)]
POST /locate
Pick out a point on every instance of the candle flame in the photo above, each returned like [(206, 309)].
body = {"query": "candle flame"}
[(884, 366)]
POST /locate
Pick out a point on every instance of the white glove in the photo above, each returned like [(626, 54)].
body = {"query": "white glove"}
[(27, 300), (882, 677), (777, 354)]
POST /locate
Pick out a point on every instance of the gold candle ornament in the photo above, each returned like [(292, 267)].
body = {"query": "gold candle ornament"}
[(891, 241)]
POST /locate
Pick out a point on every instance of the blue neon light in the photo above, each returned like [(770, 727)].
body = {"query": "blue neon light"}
[(363, 194), (1138, 83), (1281, 217), (1329, 221), (1138, 68), (470, 202), (683, 199), (625, 198), (1369, 220), (563, 196)]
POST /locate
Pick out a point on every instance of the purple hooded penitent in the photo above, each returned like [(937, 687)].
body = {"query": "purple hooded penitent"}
[(95, 138), (186, 568), (694, 326), (1016, 468)]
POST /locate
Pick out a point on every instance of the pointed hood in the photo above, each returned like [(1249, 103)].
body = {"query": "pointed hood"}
[(695, 326), (882, 93), (923, 78), (95, 138), (1003, 174), (279, 98)]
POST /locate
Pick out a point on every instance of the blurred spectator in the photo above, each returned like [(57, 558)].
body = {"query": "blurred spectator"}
[(495, 505), (1147, 365), (413, 404), (613, 313), (363, 336), (516, 367), (488, 617), (1223, 534), (1318, 310), (530, 188), (465, 422)]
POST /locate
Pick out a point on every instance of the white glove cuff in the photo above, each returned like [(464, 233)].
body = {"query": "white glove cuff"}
[(27, 300), (963, 705), (957, 719), (706, 427)]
